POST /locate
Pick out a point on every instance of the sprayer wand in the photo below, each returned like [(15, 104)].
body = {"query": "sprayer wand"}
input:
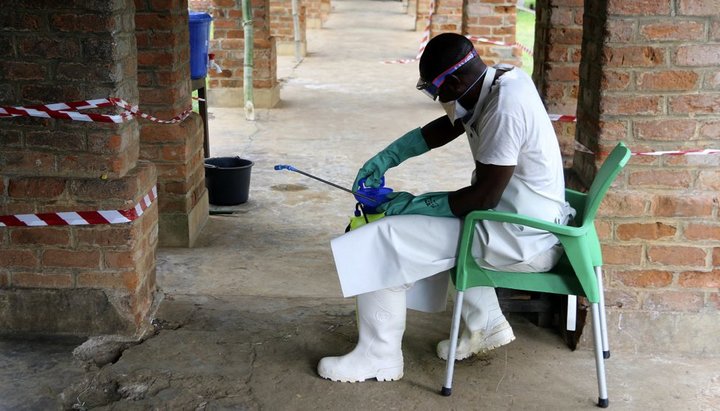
[(291, 168)]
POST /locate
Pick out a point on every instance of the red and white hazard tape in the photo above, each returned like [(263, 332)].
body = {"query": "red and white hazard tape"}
[(562, 118), (81, 217), (70, 111), (426, 32), (426, 39), (500, 43), (136, 111), (697, 152)]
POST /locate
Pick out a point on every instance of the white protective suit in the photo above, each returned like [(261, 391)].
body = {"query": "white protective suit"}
[(502, 130)]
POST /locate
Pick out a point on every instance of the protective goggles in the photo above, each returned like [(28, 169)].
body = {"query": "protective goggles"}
[(432, 88)]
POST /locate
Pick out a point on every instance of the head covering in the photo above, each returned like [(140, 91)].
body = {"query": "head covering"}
[(442, 52)]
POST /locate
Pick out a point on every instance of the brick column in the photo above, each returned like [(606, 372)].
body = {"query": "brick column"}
[(495, 21), (163, 65), (422, 12), (226, 88), (282, 27), (448, 17), (78, 280), (411, 7), (648, 76), (558, 32), (313, 14)]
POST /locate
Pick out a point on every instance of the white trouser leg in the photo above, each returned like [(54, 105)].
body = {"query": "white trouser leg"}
[(378, 353), (485, 325)]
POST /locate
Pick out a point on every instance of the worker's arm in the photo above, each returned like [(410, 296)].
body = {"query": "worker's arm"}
[(490, 182), (441, 131), (484, 194), (413, 143)]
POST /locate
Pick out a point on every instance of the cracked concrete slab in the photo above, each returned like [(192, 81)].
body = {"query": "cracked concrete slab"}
[(259, 353)]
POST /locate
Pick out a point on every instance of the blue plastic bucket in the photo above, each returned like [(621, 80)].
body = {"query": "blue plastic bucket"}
[(199, 40)]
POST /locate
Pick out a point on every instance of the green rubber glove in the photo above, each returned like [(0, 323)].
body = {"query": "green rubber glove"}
[(431, 204), (409, 145)]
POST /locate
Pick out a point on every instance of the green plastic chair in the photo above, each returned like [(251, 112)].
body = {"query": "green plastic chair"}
[(579, 271)]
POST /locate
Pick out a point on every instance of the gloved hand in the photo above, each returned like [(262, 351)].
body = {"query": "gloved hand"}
[(431, 204), (409, 145)]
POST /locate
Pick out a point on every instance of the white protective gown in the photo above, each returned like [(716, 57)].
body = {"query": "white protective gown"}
[(508, 126)]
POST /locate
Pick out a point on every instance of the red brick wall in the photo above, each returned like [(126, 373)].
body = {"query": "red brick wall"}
[(317, 12), (558, 32), (649, 78), (281, 21), (228, 44), (60, 52), (492, 20), (163, 65)]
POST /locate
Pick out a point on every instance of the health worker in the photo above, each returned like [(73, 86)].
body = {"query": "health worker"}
[(518, 168)]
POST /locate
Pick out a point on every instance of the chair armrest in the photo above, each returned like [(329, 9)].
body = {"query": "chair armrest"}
[(506, 217)]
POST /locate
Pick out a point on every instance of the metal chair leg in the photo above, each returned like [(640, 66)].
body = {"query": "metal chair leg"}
[(603, 319), (454, 332), (599, 360), (571, 317)]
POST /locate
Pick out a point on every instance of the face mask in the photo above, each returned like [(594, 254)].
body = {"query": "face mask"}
[(449, 108), (453, 108)]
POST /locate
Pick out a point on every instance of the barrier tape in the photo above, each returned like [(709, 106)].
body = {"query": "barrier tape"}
[(695, 152), (426, 34), (426, 38), (81, 217), (70, 111), (562, 118), (500, 43)]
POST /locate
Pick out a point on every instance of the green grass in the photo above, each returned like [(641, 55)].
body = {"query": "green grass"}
[(525, 35)]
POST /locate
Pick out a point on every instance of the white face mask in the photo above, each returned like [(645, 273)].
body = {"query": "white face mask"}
[(454, 110)]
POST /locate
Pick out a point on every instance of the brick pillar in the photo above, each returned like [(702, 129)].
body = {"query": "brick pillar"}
[(648, 76), (313, 14), (448, 17), (422, 12), (282, 27), (558, 33), (226, 88), (77, 280), (495, 21), (163, 64), (410, 7)]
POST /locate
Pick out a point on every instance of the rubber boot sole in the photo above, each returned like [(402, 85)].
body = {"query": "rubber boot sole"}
[(500, 335), (383, 374)]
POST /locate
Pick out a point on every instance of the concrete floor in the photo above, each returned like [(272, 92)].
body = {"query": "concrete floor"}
[(250, 310)]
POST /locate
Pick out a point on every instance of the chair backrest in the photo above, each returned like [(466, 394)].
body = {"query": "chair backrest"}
[(612, 166)]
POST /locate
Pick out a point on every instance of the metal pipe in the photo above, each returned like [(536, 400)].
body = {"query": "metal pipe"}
[(248, 60), (291, 168), (296, 30)]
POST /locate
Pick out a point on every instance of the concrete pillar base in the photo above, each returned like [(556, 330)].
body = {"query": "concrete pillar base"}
[(649, 333), (233, 97), (182, 230), (287, 48), (85, 312), (313, 23)]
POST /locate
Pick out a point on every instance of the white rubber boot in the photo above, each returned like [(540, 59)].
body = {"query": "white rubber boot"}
[(485, 325), (378, 354)]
